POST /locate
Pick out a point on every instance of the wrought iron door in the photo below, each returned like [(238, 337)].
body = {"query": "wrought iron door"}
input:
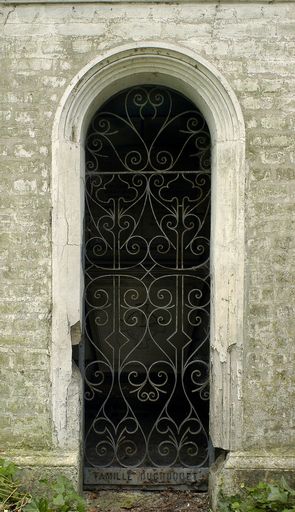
[(147, 291)]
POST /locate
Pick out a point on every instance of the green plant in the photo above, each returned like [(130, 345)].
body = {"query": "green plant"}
[(12, 497), (264, 497), (58, 495)]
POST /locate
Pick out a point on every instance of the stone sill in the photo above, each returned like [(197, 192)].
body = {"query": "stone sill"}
[(41, 458), (266, 459), (217, 2)]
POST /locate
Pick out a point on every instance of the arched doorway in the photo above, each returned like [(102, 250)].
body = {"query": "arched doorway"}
[(147, 292), (196, 78)]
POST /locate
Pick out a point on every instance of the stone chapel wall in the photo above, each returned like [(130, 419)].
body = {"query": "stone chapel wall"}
[(42, 47)]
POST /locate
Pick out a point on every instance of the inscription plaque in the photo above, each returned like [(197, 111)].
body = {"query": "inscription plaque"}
[(148, 477)]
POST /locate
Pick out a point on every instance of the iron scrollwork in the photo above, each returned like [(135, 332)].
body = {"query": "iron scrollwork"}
[(147, 288)]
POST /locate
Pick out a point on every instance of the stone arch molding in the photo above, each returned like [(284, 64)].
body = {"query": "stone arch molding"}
[(183, 70)]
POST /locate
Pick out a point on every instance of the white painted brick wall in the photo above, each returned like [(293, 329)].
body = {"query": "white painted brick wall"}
[(42, 48)]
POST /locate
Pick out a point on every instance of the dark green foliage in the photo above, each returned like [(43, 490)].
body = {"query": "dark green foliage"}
[(57, 496), (264, 497), (11, 495)]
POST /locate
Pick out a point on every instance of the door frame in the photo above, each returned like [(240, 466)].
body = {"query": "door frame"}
[(181, 69)]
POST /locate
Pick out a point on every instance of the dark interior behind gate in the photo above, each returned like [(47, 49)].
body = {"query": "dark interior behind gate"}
[(145, 355)]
